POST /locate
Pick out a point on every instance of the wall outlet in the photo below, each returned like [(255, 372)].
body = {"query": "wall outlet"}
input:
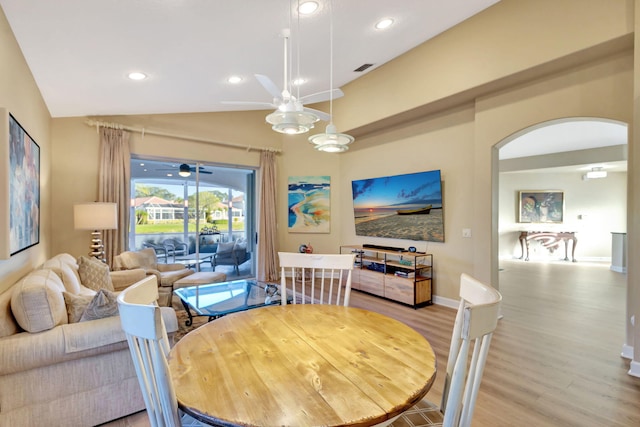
[(466, 232)]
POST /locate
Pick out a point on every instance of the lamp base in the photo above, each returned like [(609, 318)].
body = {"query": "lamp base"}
[(97, 247)]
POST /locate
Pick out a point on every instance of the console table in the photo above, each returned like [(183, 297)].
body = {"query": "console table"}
[(550, 240)]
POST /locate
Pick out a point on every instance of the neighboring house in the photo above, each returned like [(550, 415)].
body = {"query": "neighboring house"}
[(159, 209)]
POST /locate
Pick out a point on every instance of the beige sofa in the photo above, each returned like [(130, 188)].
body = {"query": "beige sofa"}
[(64, 374)]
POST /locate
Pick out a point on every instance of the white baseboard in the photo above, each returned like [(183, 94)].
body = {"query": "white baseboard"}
[(634, 369), (618, 269), (447, 302), (627, 351)]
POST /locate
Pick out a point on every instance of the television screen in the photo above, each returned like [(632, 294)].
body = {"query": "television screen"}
[(405, 206)]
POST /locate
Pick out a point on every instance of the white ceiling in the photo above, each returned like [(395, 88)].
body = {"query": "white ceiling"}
[(80, 51), (566, 136)]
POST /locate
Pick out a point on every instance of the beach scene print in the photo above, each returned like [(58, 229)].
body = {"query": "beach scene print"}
[(405, 206), (309, 200)]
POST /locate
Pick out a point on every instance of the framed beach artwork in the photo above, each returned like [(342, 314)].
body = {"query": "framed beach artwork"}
[(407, 206), (20, 184), (543, 206), (309, 203)]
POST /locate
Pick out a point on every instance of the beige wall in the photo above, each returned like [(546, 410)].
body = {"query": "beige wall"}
[(442, 141), (21, 97), (593, 209)]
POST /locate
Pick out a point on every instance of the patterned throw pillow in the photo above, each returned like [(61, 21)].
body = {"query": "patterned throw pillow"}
[(76, 305), (94, 274), (104, 304)]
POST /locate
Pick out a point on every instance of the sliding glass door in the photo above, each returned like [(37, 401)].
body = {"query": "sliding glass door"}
[(194, 213)]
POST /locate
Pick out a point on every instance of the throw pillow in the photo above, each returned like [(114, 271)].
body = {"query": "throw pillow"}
[(104, 304), (69, 276), (94, 274), (37, 302), (225, 247), (76, 305)]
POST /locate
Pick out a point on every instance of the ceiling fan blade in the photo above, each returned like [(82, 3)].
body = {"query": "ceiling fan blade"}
[(269, 85), (251, 103), (321, 114), (321, 96)]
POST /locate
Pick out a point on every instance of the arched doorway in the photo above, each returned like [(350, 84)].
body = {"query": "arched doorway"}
[(559, 156)]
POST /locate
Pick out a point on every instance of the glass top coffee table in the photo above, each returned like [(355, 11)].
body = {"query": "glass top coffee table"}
[(217, 299)]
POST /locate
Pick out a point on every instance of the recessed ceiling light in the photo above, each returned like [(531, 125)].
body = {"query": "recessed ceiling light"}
[(299, 82), (308, 7), (384, 23), (169, 174), (136, 75), (234, 79)]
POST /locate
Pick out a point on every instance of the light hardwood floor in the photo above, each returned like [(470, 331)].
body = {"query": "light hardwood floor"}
[(555, 356)]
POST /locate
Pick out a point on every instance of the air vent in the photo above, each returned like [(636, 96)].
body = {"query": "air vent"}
[(363, 67)]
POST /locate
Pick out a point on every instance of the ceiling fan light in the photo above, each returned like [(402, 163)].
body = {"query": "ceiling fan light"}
[(595, 173), (291, 123), (184, 171), (308, 7)]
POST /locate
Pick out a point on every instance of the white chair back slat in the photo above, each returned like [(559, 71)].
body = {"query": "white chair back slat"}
[(142, 323), (476, 320), (322, 278)]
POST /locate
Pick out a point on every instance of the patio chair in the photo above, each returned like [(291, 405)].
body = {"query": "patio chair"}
[(175, 247), (160, 250)]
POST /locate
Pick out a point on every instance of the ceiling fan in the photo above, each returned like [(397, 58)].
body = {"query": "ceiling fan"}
[(186, 170), (291, 116)]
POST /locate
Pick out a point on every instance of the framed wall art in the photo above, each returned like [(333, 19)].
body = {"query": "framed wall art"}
[(309, 203), (20, 187), (544, 206)]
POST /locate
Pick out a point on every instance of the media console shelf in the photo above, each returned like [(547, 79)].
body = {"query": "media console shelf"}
[(398, 275)]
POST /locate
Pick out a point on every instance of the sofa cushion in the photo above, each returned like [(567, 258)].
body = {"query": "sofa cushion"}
[(37, 302), (104, 304), (8, 324), (76, 305), (94, 274), (67, 272)]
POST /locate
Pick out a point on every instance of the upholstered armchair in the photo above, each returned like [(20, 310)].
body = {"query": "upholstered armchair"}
[(146, 259), (231, 253)]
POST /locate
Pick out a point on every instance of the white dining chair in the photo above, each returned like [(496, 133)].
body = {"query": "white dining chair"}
[(149, 345), (315, 278), (475, 322)]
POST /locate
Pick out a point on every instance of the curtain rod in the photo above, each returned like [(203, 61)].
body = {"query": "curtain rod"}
[(143, 131)]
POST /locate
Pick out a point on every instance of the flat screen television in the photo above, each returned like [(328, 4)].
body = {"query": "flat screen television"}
[(405, 206)]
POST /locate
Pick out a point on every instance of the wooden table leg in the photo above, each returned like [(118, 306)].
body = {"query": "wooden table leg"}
[(524, 243)]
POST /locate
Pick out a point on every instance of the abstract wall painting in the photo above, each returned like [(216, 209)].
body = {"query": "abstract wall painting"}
[(541, 206), (20, 187), (309, 202)]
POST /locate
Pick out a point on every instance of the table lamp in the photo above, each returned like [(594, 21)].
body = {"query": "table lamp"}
[(96, 216)]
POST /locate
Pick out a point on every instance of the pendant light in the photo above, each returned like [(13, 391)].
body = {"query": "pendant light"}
[(331, 141), (290, 117)]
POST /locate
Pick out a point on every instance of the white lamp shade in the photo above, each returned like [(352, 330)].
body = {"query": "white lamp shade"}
[(95, 216)]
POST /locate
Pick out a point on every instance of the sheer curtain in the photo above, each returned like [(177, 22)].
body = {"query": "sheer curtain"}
[(113, 185), (267, 238)]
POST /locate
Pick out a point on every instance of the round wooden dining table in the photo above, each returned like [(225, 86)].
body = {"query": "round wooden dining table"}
[(301, 365)]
